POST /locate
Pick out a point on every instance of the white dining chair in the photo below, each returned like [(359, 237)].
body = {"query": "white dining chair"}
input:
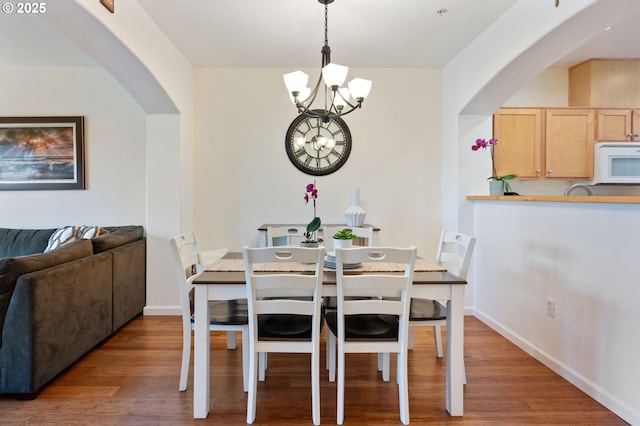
[(454, 252), (290, 235), (365, 233), (284, 312), (373, 314), (225, 315)]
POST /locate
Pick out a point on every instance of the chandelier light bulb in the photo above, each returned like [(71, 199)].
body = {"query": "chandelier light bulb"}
[(334, 75), (359, 88), (303, 94), (296, 81)]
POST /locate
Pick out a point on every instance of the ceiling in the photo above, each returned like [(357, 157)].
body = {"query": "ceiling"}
[(290, 33)]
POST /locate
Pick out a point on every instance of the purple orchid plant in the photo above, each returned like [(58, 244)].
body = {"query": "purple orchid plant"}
[(490, 144), (311, 193)]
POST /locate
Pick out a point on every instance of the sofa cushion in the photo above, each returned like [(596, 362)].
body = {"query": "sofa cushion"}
[(24, 264), (12, 267), (117, 236), (22, 242)]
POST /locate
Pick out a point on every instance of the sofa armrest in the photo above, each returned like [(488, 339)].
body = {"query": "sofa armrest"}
[(56, 315)]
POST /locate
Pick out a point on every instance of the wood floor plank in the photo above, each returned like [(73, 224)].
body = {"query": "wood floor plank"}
[(132, 379)]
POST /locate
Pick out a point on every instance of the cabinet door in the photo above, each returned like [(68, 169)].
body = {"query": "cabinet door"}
[(635, 125), (569, 143), (519, 148), (614, 125)]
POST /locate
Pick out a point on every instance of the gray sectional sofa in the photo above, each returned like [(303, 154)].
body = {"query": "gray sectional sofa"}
[(56, 306)]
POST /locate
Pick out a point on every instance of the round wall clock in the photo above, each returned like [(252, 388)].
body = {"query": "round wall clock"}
[(317, 147)]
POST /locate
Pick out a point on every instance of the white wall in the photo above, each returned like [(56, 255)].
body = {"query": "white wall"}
[(580, 255), (583, 256), (244, 178), (115, 165)]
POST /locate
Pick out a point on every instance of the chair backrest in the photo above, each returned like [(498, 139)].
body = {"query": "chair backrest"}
[(290, 235), (188, 260), (375, 292), (295, 292), (454, 252), (363, 232)]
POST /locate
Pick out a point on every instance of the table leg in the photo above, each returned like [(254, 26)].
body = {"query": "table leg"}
[(201, 354), (455, 351)]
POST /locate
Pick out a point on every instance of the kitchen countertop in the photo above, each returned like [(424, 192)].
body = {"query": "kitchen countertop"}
[(608, 199)]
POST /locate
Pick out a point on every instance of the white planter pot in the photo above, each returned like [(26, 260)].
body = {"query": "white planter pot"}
[(342, 243)]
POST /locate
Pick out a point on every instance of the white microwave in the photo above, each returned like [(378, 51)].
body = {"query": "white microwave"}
[(616, 163)]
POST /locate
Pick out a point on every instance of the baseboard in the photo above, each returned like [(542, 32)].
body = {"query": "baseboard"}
[(176, 310), (611, 402), (162, 310)]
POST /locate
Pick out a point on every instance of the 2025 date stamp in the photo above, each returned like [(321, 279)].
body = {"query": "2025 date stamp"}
[(29, 8)]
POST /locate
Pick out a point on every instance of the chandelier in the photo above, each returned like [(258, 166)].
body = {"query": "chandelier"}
[(338, 100)]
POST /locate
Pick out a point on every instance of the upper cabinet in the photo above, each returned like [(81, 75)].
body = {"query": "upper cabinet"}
[(519, 150), (569, 143), (605, 83), (618, 125), (536, 143)]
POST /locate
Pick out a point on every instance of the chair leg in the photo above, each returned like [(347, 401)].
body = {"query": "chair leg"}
[(385, 366), (340, 402), (403, 388), (332, 356), (262, 366), (327, 339), (245, 360), (231, 339), (186, 357), (253, 387), (410, 337), (315, 385), (437, 340)]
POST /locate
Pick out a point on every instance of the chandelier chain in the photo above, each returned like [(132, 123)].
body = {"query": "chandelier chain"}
[(326, 24)]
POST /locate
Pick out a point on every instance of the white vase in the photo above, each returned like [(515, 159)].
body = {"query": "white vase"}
[(355, 214), (342, 243)]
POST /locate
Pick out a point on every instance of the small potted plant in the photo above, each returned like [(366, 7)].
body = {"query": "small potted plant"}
[(497, 184), (343, 238)]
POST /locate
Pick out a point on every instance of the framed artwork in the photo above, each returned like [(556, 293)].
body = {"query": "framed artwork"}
[(41, 153)]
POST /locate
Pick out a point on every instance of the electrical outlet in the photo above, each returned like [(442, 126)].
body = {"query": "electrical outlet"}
[(551, 307)]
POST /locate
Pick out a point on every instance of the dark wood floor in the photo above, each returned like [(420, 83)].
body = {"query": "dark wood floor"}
[(132, 379)]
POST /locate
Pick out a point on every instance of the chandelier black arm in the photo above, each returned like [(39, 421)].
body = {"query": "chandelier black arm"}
[(327, 115)]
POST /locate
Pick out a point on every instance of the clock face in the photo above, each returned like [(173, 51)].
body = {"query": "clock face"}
[(317, 147)]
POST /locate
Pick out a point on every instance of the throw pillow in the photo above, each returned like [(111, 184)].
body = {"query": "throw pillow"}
[(61, 237), (69, 234), (89, 232)]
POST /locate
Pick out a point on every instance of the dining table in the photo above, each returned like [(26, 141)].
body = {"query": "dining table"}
[(225, 280)]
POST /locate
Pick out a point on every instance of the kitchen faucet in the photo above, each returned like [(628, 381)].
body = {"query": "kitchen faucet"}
[(578, 185)]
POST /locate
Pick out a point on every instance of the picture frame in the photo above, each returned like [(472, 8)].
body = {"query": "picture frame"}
[(41, 153)]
